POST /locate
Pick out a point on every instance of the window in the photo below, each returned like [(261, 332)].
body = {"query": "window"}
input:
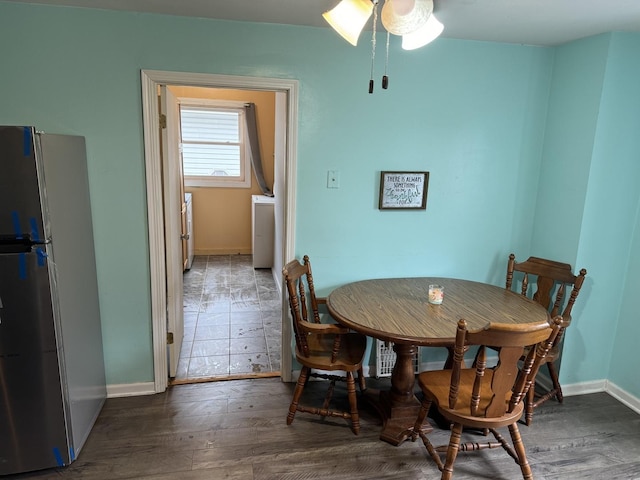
[(213, 145)]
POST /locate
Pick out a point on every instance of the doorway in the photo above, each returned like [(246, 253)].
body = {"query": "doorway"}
[(162, 299), (230, 329)]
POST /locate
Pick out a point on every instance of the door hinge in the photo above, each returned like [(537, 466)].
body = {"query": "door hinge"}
[(169, 338), (163, 120)]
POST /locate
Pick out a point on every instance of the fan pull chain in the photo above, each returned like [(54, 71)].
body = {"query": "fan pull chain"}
[(385, 78), (373, 44)]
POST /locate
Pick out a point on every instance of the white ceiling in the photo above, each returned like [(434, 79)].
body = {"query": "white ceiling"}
[(530, 22)]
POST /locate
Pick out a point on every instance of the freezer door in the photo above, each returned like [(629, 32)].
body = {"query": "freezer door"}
[(21, 214), (32, 420), (73, 256)]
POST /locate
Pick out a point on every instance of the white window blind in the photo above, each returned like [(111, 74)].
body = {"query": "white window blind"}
[(213, 146)]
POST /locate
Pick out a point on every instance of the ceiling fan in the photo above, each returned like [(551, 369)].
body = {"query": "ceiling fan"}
[(413, 20)]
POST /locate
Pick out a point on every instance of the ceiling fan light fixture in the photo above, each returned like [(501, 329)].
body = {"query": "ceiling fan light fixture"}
[(423, 35), (349, 17), (413, 20), (401, 17)]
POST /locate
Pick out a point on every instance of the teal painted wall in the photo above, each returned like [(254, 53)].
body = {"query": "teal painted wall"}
[(588, 198), (578, 72), (624, 371), (609, 238), (473, 114)]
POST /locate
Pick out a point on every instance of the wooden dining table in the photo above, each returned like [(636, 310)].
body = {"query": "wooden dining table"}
[(397, 310)]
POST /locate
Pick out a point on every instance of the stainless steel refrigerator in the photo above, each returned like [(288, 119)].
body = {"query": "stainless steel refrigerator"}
[(52, 378)]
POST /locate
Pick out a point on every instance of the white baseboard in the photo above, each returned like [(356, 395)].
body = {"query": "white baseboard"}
[(596, 386), (223, 251), (130, 389), (583, 388), (623, 396)]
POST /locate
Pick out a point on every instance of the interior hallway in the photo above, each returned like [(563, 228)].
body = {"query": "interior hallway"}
[(232, 320)]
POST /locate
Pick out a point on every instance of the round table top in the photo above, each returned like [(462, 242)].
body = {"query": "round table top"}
[(397, 309)]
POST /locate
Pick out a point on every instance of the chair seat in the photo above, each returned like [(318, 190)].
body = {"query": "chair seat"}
[(348, 359), (436, 385)]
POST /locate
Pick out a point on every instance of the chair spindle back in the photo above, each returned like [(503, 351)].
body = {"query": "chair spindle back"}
[(302, 299), (548, 275), (504, 384)]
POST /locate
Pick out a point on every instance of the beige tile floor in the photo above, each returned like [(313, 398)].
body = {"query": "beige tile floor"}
[(232, 318)]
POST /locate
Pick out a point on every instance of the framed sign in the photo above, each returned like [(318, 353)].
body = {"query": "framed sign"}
[(403, 190)]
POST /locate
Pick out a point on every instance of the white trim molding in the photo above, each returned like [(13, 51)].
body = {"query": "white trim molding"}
[(597, 386), (582, 388), (623, 396), (130, 389), (158, 274), (150, 81)]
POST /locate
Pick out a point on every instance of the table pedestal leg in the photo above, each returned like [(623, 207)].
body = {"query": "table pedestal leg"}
[(399, 407)]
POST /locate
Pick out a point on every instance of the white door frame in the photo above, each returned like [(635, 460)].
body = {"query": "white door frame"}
[(174, 205), (151, 80)]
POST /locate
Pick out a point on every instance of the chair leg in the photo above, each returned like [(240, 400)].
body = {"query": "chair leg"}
[(302, 380), (452, 451), (518, 447), (529, 403), (532, 403), (417, 427), (329, 395), (361, 381), (553, 373), (416, 432), (353, 403)]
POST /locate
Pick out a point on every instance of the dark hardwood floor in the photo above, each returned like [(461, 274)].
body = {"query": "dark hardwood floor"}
[(236, 430)]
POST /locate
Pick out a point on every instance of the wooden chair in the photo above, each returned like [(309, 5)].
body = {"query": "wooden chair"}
[(548, 276), (321, 346), (481, 397)]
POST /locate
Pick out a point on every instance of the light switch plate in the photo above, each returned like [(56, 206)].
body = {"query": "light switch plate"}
[(333, 179)]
